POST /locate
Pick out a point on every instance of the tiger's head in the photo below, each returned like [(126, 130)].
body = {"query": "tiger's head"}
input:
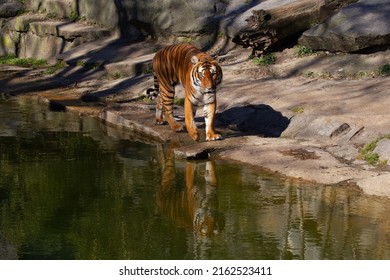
[(206, 75)]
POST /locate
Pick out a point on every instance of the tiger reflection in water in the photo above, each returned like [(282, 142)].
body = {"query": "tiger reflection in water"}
[(196, 206)]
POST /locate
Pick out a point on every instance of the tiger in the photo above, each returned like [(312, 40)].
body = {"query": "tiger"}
[(195, 205), (199, 74)]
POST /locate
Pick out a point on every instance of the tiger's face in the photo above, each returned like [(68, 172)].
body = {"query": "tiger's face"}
[(206, 76)]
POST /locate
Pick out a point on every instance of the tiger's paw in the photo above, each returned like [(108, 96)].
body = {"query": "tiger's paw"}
[(213, 137), (194, 136), (160, 122), (177, 127)]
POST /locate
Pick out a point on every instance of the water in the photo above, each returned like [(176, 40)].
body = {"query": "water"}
[(70, 188)]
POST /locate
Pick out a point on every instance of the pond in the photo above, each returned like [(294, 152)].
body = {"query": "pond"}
[(70, 188)]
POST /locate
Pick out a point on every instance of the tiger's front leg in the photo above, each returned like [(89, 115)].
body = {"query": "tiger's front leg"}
[(209, 116), (189, 113)]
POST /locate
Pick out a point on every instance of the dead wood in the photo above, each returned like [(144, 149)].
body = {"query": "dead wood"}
[(267, 30)]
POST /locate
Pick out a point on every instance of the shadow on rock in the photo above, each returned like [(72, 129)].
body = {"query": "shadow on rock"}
[(254, 120)]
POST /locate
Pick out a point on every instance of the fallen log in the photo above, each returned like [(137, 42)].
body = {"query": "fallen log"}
[(267, 30)]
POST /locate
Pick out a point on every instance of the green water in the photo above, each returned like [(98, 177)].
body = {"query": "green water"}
[(72, 188)]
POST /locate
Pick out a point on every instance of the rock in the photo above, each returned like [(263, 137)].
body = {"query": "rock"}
[(60, 8), (192, 153), (8, 44), (377, 185), (269, 29), (131, 67), (68, 30), (131, 18), (47, 39), (321, 127), (383, 150), (356, 27), (293, 158), (22, 22), (10, 9), (91, 10), (11, 37)]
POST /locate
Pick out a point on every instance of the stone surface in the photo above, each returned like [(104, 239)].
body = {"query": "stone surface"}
[(10, 8), (137, 120), (107, 50), (298, 159), (7, 44), (154, 17), (67, 30), (383, 150), (376, 185), (91, 10), (47, 39), (207, 21), (102, 12), (59, 8), (356, 27), (46, 47), (131, 67), (22, 22)]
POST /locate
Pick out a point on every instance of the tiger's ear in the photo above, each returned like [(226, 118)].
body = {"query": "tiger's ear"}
[(194, 59)]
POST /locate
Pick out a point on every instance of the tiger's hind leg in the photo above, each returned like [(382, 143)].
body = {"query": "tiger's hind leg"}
[(159, 112), (165, 108), (152, 93)]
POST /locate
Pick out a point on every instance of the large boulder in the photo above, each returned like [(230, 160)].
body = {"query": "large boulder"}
[(159, 18), (356, 27), (47, 39), (9, 8), (383, 150), (186, 18)]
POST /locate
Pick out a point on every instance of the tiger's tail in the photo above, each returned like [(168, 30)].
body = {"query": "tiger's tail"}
[(152, 93)]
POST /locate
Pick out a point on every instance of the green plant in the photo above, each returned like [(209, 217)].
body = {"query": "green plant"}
[(315, 22), (187, 40), (81, 63), (362, 74), (303, 51), (52, 69), (326, 75), (266, 59), (309, 74), (367, 152), (73, 15), (384, 70), (298, 110), (148, 71), (118, 75), (23, 62), (51, 15)]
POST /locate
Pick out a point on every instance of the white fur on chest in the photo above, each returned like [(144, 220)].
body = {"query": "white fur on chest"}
[(199, 98)]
